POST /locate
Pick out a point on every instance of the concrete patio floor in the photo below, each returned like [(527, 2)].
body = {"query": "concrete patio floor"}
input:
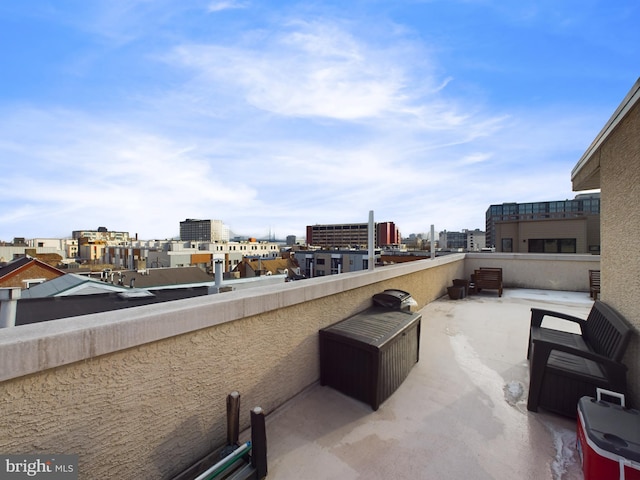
[(461, 413)]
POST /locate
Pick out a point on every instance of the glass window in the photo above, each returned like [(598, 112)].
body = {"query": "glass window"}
[(536, 245), (552, 245), (507, 244), (335, 265), (567, 245)]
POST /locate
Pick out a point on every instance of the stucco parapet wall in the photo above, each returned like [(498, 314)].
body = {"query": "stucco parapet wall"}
[(36, 347), (556, 257), (553, 271)]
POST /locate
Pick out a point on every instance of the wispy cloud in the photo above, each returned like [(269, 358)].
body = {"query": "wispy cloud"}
[(312, 71), (114, 173), (220, 5), (301, 116)]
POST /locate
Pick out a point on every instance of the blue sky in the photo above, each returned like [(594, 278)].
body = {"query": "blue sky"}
[(271, 116)]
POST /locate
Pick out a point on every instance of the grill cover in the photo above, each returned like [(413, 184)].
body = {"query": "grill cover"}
[(394, 299)]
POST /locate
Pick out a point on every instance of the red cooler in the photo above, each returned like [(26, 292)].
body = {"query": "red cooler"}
[(608, 439)]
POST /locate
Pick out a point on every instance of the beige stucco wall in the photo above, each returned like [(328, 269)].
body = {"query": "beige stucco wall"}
[(612, 163), (140, 393), (619, 159)]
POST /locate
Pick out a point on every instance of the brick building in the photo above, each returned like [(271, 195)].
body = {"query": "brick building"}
[(25, 271)]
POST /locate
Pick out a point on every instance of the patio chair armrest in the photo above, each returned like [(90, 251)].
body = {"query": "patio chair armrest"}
[(616, 371), (538, 314)]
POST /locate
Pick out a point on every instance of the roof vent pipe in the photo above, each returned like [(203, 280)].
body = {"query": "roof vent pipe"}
[(8, 306), (217, 277), (218, 274)]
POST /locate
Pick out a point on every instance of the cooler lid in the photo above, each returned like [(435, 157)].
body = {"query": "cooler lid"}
[(612, 427)]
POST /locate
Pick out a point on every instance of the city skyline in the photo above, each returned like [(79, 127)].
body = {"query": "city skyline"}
[(136, 115)]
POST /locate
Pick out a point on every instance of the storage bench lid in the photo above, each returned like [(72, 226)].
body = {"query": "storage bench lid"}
[(375, 326)]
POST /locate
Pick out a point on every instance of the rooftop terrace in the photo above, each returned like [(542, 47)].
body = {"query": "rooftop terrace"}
[(460, 413), (140, 393)]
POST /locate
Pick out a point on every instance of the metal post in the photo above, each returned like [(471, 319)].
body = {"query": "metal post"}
[(433, 242), (372, 250), (258, 443), (233, 418)]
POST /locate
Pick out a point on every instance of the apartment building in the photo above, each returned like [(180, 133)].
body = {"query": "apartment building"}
[(352, 235), (177, 253), (320, 263), (387, 234), (204, 230), (65, 247), (466, 240), (101, 234), (564, 226)]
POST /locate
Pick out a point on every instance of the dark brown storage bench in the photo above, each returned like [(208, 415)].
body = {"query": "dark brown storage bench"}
[(369, 355)]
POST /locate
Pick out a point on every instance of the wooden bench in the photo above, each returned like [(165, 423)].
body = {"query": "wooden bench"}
[(246, 461), (566, 366), (487, 278), (594, 283)]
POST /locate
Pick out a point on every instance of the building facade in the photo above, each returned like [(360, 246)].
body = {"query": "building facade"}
[(203, 230), (320, 263), (339, 235), (387, 234), (91, 250), (476, 240), (25, 272), (452, 240), (352, 235), (65, 247), (102, 234), (176, 253), (565, 226), (466, 240)]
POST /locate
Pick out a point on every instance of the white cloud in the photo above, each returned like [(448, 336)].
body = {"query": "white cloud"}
[(112, 173), (475, 158), (307, 70), (293, 124), (220, 5)]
